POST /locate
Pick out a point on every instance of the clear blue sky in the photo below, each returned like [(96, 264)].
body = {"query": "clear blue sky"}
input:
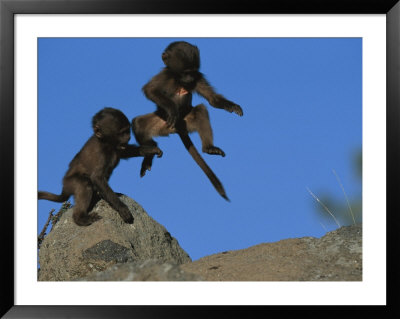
[(302, 103)]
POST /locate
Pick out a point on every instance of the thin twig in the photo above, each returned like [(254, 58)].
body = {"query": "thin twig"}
[(322, 204), (53, 219), (43, 232), (57, 216), (345, 195)]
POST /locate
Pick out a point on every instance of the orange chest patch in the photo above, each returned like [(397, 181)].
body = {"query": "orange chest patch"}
[(181, 91)]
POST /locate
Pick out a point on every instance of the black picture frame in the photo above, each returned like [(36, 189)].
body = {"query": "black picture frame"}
[(8, 8)]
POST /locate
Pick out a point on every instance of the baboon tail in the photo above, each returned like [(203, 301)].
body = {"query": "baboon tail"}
[(203, 165), (53, 197)]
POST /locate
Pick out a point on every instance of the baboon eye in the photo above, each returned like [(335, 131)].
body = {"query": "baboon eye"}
[(125, 132)]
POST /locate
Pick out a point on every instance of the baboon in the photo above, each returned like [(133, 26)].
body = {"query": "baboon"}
[(89, 171), (171, 90)]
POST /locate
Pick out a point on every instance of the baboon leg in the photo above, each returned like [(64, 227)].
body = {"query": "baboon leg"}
[(198, 120), (145, 127), (94, 200), (83, 198)]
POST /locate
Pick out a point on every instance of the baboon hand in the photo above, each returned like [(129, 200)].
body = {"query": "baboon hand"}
[(151, 150), (146, 165), (125, 214), (157, 151), (220, 102), (234, 108)]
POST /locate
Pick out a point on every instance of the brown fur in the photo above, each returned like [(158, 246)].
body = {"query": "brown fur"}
[(89, 171), (172, 90)]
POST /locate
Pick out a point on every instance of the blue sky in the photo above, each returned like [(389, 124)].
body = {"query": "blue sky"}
[(302, 103)]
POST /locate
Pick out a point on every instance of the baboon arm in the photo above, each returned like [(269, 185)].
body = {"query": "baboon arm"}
[(156, 94), (204, 88), (216, 100), (106, 192), (132, 150)]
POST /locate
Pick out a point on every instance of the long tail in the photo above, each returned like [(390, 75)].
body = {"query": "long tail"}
[(203, 165), (53, 197)]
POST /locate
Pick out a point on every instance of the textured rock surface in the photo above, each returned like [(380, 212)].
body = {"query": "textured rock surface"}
[(69, 251), (149, 270), (110, 250), (337, 256)]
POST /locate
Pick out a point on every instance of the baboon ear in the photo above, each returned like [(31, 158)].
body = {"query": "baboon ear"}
[(97, 131)]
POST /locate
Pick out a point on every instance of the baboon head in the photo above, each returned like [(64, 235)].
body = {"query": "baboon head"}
[(111, 126)]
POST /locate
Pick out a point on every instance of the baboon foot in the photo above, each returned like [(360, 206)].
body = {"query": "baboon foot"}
[(213, 150), (146, 166), (85, 219), (126, 215)]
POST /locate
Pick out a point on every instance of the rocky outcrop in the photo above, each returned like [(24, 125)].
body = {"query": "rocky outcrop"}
[(337, 256), (69, 251), (110, 250)]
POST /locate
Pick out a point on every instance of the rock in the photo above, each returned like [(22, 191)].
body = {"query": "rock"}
[(149, 270), (110, 250), (69, 251), (337, 256)]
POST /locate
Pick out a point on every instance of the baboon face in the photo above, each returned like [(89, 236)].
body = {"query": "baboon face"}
[(113, 127), (184, 59), (122, 136)]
